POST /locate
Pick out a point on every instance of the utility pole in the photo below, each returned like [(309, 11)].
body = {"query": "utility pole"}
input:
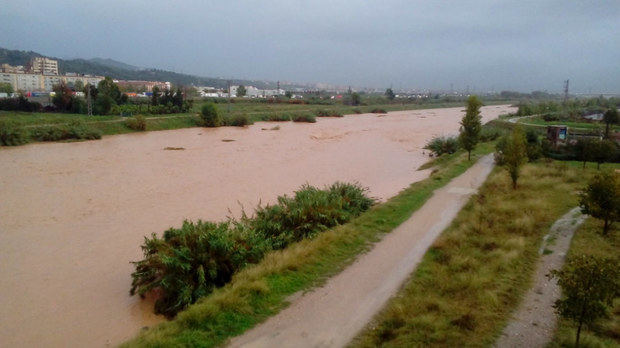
[(89, 102), (228, 98), (566, 91)]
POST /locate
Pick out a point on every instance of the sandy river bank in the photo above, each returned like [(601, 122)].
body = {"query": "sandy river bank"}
[(72, 215)]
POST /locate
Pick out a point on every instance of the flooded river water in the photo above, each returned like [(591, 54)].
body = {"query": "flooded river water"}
[(73, 215)]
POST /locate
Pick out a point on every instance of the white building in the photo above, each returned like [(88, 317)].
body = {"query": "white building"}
[(44, 83)]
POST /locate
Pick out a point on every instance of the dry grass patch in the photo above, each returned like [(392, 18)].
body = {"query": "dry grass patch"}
[(474, 275)]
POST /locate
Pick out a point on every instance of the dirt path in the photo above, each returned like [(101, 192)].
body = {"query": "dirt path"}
[(73, 215), (332, 315), (534, 322)]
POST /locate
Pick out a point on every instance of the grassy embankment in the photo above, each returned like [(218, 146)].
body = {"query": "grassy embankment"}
[(474, 275), (260, 291), (539, 121), (253, 111), (589, 240)]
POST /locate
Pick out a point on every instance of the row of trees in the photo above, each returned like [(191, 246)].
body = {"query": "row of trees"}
[(107, 96)]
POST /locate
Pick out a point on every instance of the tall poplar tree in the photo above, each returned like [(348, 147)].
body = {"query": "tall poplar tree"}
[(471, 125)]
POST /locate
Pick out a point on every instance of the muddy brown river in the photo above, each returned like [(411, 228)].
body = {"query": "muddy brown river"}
[(73, 215)]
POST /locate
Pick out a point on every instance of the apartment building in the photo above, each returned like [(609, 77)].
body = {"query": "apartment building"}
[(42, 65)]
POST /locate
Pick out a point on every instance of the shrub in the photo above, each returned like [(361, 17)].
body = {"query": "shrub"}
[(357, 111), (210, 115), (601, 199), (309, 211), (441, 145), (103, 105), (490, 133), (550, 117), (189, 262), (237, 121), (19, 104), (73, 131), (277, 117), (533, 148), (328, 113), (304, 118), (378, 111), (12, 135), (137, 122)]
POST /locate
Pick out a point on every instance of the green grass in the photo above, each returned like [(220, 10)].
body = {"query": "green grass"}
[(606, 333), (261, 290), (474, 275), (570, 124)]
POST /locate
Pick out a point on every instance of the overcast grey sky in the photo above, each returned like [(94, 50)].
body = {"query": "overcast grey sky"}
[(519, 45)]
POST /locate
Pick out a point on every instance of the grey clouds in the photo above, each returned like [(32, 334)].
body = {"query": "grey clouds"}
[(517, 45)]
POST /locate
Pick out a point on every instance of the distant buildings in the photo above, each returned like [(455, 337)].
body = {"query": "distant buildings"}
[(43, 66), (141, 86), (250, 92), (40, 75)]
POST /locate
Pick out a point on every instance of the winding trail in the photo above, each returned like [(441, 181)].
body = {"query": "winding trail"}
[(534, 322), (332, 315)]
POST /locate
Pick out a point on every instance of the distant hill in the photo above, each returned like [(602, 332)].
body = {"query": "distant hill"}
[(123, 71), (114, 64)]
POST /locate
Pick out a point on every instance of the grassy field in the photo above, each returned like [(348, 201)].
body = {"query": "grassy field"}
[(580, 125), (588, 240), (475, 274), (252, 110), (260, 291)]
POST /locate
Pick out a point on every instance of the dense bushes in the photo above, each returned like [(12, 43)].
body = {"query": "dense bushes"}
[(441, 145), (210, 116), (236, 121), (378, 111), (149, 109), (136, 123), (276, 117), (308, 212), (75, 130), (188, 263), (19, 104), (328, 113), (303, 117), (12, 135)]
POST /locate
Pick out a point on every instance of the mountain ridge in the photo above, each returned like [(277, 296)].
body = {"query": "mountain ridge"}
[(123, 71)]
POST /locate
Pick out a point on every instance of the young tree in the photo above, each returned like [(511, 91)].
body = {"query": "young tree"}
[(288, 94), (241, 91), (471, 125), (78, 86), (6, 87), (155, 96), (610, 117), (514, 154), (589, 286), (355, 99), (109, 88), (603, 151), (63, 96), (584, 149), (389, 93), (601, 198)]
